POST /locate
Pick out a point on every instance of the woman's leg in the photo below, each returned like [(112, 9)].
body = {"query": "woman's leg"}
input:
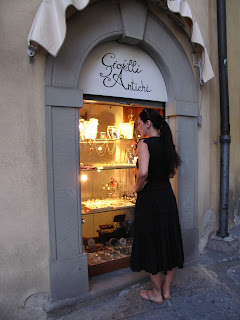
[(167, 284), (157, 284), (156, 293)]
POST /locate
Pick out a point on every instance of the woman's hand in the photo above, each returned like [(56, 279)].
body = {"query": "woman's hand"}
[(137, 189)]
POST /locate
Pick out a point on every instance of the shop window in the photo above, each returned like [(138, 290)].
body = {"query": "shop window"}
[(108, 139)]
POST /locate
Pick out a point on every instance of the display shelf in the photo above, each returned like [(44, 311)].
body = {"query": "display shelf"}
[(95, 270), (103, 140), (107, 167), (86, 210), (109, 259)]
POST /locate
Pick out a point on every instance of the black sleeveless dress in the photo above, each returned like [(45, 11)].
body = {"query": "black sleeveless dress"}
[(157, 241)]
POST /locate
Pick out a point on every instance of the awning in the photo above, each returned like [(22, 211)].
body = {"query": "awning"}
[(49, 25), (49, 28), (182, 7)]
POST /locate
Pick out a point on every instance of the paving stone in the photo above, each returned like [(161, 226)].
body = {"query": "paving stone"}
[(26, 314), (207, 305), (205, 289), (157, 314), (134, 305), (228, 273), (211, 257), (196, 295), (129, 304), (190, 279)]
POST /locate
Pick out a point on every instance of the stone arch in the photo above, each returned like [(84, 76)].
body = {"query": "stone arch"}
[(99, 23)]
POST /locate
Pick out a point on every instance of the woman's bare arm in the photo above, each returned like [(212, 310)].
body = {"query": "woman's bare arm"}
[(143, 162)]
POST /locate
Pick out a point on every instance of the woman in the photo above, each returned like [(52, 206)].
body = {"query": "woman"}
[(157, 242)]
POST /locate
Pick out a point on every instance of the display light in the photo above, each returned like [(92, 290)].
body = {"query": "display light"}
[(84, 177)]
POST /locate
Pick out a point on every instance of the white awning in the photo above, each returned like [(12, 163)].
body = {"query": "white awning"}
[(182, 7), (49, 27)]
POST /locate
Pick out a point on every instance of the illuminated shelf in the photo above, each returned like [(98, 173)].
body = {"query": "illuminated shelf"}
[(106, 167), (104, 140), (98, 210)]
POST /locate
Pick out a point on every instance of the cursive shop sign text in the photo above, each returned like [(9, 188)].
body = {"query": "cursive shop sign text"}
[(118, 70), (115, 71)]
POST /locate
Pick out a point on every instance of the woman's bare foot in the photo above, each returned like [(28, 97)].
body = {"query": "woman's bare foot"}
[(151, 296), (167, 284), (166, 293), (167, 296)]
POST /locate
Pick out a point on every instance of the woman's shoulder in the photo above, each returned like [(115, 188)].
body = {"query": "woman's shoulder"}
[(142, 141), (142, 145), (149, 140), (152, 140)]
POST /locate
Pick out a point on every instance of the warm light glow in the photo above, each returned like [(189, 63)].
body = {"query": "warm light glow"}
[(84, 177), (99, 148), (98, 170)]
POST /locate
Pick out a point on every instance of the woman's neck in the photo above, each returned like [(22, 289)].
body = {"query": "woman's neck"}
[(153, 133)]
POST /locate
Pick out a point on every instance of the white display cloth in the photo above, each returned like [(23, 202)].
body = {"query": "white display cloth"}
[(49, 27)]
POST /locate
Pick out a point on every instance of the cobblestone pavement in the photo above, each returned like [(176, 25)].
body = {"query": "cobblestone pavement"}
[(207, 288)]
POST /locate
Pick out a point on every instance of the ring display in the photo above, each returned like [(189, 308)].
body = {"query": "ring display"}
[(113, 242), (91, 243), (122, 241)]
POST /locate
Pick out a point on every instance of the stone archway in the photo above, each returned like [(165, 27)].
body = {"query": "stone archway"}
[(103, 22)]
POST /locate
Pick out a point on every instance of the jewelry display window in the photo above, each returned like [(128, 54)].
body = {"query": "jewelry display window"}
[(108, 140)]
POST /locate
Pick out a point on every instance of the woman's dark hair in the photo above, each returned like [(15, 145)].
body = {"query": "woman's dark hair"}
[(171, 156)]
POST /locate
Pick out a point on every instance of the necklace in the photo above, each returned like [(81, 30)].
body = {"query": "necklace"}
[(101, 149), (113, 149)]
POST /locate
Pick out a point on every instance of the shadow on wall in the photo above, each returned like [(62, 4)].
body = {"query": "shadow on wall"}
[(234, 204), (208, 226)]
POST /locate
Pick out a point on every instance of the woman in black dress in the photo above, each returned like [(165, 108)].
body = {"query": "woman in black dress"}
[(157, 242)]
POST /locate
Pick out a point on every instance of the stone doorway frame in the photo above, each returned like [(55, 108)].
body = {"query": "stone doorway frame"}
[(131, 23)]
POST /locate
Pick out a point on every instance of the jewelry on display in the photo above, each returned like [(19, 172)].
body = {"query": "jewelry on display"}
[(101, 149), (114, 147), (122, 241), (91, 243), (107, 202), (89, 147), (113, 242)]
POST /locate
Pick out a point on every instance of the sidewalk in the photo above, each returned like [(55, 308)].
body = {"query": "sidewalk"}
[(207, 288)]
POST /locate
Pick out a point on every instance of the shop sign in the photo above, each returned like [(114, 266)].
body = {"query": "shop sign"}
[(120, 70)]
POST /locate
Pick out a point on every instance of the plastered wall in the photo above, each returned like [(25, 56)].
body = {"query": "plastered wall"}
[(233, 39), (24, 239)]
